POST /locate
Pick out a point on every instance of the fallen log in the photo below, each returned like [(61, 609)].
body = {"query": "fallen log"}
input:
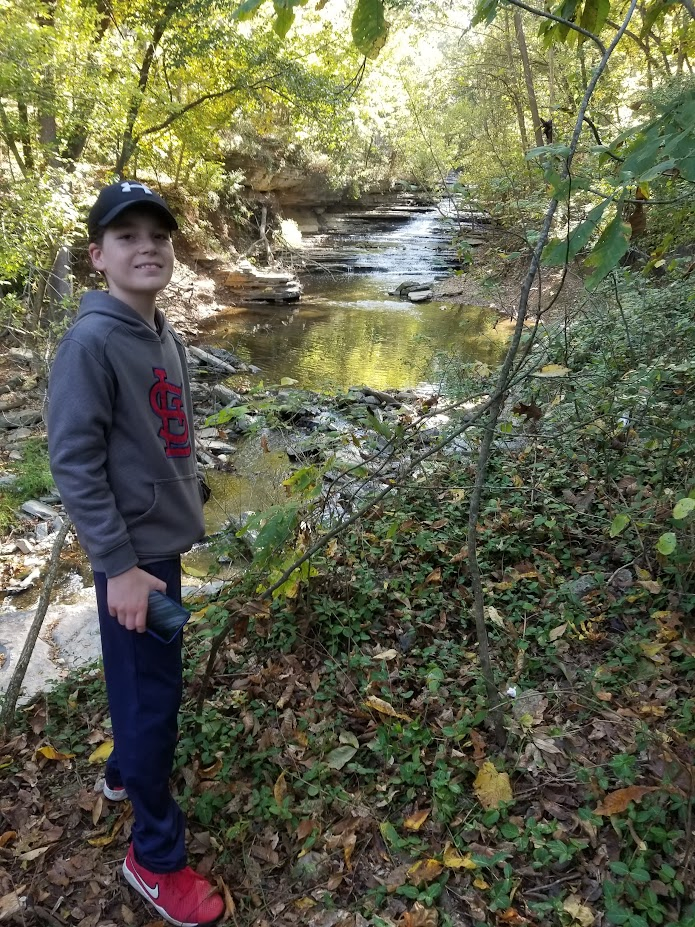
[(211, 360)]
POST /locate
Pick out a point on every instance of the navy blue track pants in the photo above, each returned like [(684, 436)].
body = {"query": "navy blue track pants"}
[(144, 686)]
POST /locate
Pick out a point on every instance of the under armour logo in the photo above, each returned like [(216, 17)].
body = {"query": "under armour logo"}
[(165, 401), (128, 187)]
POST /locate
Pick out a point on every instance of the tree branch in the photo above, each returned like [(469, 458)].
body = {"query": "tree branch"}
[(559, 19)]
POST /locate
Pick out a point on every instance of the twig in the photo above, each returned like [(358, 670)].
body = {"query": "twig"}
[(540, 892), (15, 685)]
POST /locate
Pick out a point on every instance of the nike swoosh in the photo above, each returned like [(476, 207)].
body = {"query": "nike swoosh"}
[(152, 892)]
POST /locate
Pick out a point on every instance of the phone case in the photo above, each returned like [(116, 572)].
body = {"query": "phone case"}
[(165, 618)]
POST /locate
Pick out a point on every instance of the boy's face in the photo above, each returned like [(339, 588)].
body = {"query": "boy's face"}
[(136, 255)]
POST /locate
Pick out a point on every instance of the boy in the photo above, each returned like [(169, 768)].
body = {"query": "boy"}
[(120, 435)]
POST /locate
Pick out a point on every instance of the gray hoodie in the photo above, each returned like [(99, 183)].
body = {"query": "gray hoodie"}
[(120, 436)]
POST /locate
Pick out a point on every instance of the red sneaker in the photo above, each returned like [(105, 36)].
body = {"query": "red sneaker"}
[(183, 897)]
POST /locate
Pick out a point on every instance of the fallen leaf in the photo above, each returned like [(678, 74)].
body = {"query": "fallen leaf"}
[(420, 916), (653, 652), (511, 916), (435, 576), (557, 632), (454, 860), (280, 789), (579, 912), (102, 752), (494, 616), (424, 871), (209, 772), (337, 758), (480, 883), (617, 802), (305, 829), (229, 906), (386, 655), (7, 837), (378, 704), (479, 746), (552, 370), (12, 903), (416, 820), (52, 754), (492, 787), (31, 855), (348, 849), (97, 809)]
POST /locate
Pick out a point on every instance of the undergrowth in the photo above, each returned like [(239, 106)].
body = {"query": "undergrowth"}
[(344, 764)]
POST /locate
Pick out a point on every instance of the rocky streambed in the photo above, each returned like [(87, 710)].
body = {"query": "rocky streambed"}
[(249, 440)]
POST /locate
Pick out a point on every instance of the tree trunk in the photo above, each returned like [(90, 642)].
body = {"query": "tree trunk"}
[(129, 142), (515, 96), (528, 78)]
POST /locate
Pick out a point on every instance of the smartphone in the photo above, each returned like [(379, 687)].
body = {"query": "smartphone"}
[(165, 618)]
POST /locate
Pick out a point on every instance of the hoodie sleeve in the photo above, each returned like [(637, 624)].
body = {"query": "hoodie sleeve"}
[(81, 394)]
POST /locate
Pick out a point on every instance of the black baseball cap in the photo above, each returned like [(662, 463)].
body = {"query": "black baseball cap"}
[(117, 197)]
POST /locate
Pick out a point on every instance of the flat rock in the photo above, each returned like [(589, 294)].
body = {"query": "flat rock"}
[(40, 509)]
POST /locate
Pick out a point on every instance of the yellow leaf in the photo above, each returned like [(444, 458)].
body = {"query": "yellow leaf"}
[(415, 821), (305, 903), (52, 754), (454, 860), (579, 912), (480, 883), (378, 704), (424, 871), (280, 789), (193, 571), (492, 787), (552, 370), (653, 652), (349, 849), (458, 495), (102, 752)]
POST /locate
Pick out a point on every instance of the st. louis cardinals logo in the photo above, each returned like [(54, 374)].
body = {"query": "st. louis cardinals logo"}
[(166, 402)]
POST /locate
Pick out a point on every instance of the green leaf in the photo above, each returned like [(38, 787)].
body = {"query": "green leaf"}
[(337, 758), (226, 415), (667, 543), (485, 12), (656, 170), (618, 525), (593, 18), (247, 9), (380, 427), (284, 18), (558, 251), (683, 508), (611, 246), (369, 27)]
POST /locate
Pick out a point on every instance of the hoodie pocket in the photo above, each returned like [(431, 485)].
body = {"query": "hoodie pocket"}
[(174, 521)]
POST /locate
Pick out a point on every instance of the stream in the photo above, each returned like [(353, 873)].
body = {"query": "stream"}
[(347, 330)]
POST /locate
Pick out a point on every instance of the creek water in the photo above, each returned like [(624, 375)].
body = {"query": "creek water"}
[(347, 330)]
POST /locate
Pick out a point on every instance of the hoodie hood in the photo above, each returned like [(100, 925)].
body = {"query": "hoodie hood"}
[(103, 303)]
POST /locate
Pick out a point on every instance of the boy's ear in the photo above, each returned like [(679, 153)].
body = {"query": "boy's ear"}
[(95, 253)]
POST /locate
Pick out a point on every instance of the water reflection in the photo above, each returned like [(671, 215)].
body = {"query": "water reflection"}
[(348, 331)]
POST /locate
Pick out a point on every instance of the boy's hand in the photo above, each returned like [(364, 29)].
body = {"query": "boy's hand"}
[(127, 596)]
